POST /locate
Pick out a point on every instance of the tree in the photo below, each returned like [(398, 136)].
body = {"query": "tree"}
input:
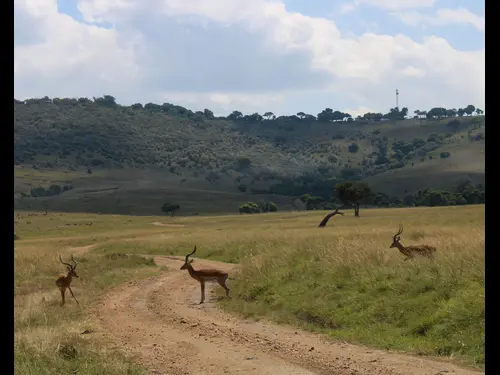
[(479, 112), (235, 115), (208, 114), (352, 193), (301, 115), (330, 215), (268, 115), (266, 206), (325, 115), (249, 208), (170, 207), (469, 110), (106, 100), (353, 147)]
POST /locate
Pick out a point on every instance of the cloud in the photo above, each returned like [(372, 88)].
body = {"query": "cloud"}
[(232, 54), (387, 4), (443, 17), (360, 111)]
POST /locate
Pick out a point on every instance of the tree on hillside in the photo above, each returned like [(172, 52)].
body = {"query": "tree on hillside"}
[(235, 115), (170, 207), (208, 114), (352, 193), (469, 110), (106, 100), (479, 112), (268, 115)]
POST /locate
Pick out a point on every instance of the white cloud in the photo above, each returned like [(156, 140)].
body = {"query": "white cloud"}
[(459, 16), (388, 4), (233, 54), (412, 71), (360, 111)]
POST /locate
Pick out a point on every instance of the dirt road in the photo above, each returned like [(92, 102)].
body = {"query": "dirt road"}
[(160, 322)]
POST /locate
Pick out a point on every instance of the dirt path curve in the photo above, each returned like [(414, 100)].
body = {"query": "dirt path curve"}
[(159, 321)]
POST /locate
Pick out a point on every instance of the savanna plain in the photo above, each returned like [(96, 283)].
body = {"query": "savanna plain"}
[(340, 285)]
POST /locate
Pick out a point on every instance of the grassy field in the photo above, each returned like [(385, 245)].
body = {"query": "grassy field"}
[(343, 279)]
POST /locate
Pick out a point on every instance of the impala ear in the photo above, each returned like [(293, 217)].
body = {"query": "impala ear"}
[(191, 261)]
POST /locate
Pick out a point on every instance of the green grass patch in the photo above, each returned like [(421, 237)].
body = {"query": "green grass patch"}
[(350, 288)]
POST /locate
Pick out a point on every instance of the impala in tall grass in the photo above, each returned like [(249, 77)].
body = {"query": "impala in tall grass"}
[(63, 282), (411, 251)]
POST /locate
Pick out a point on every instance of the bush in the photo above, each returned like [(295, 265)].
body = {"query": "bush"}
[(242, 188), (353, 147), (249, 208), (444, 155), (268, 207), (170, 207)]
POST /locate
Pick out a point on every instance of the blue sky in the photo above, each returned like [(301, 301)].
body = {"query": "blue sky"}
[(283, 56)]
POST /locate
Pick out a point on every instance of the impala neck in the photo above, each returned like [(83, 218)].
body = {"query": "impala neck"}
[(400, 246), (69, 277), (190, 269)]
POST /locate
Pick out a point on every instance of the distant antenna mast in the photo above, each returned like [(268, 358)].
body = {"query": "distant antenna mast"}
[(397, 99)]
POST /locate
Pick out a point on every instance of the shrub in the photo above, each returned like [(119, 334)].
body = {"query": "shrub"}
[(242, 188), (170, 207), (353, 147), (444, 155), (249, 208)]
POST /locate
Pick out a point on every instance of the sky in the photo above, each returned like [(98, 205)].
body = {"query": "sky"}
[(282, 56)]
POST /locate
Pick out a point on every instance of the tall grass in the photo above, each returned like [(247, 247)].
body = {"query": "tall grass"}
[(343, 279), (347, 282), (48, 338)]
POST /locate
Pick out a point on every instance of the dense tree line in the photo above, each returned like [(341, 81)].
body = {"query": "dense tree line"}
[(327, 115), (355, 193)]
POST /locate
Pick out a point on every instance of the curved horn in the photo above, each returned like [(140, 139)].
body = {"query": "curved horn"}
[(74, 261), (66, 264), (194, 251), (399, 232)]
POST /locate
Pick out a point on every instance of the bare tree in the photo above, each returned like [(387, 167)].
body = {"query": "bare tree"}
[(330, 215)]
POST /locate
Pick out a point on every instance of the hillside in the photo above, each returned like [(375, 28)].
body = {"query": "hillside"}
[(153, 152)]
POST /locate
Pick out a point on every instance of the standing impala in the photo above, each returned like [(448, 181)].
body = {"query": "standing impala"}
[(204, 275), (411, 251), (64, 281)]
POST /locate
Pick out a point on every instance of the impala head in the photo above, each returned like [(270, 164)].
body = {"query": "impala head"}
[(188, 262), (71, 267), (396, 238)]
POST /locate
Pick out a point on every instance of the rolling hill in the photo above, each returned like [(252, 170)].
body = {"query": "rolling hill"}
[(141, 156)]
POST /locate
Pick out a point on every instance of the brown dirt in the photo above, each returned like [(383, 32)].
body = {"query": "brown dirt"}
[(160, 224), (80, 250), (159, 321)]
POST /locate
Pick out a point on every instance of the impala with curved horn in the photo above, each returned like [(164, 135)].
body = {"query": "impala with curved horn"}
[(205, 275), (63, 282), (411, 251)]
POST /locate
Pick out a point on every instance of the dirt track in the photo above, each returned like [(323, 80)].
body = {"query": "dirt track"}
[(159, 321)]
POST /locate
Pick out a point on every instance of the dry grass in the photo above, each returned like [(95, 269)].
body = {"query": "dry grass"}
[(342, 279)]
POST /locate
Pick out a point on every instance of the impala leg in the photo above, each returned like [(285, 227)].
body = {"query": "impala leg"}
[(63, 291), (222, 283), (73, 295), (202, 284)]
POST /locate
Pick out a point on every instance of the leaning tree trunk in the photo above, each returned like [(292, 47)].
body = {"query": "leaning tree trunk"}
[(327, 217)]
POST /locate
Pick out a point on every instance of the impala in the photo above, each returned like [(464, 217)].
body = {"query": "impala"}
[(205, 275), (411, 251), (63, 282)]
